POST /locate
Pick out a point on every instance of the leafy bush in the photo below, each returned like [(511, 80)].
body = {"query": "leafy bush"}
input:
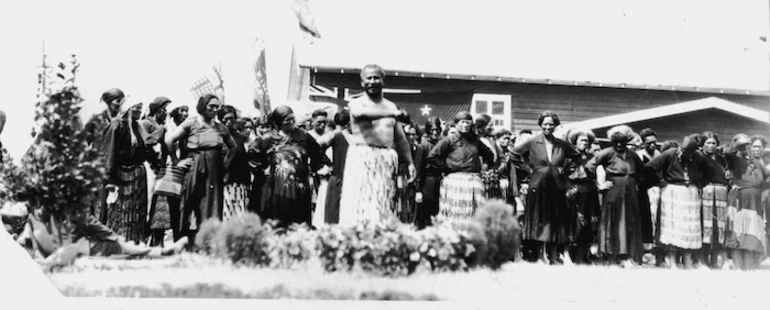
[(393, 248), (61, 171), (291, 247), (244, 240), (445, 248), (477, 237), (502, 231), (389, 247), (207, 233)]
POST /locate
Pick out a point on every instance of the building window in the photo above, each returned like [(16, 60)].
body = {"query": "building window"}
[(496, 106), (481, 106)]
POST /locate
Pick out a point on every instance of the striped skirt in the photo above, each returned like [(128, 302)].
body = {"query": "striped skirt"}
[(714, 200), (459, 196), (680, 208), (369, 189), (745, 221), (235, 201), (128, 214)]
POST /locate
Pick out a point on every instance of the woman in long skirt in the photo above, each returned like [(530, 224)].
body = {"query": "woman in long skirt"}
[(583, 197), (458, 157), (714, 204), (746, 214), (206, 139), (290, 155), (546, 212), (124, 208), (620, 229), (237, 177), (489, 176), (684, 170), (428, 181)]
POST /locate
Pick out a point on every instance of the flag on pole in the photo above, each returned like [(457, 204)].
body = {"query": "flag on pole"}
[(259, 83), (211, 83)]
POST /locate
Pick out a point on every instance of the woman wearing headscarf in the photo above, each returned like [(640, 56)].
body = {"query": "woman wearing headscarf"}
[(428, 181), (459, 158), (545, 215), (683, 171), (714, 202), (237, 175), (202, 195), (620, 228), (746, 235), (124, 208), (489, 174), (583, 196), (290, 155)]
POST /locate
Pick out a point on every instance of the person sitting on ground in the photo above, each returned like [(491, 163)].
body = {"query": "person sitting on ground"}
[(58, 238)]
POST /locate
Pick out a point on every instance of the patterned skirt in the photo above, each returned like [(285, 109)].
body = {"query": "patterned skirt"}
[(745, 228), (460, 195), (236, 200), (369, 189), (714, 200), (128, 214), (491, 181), (680, 208)]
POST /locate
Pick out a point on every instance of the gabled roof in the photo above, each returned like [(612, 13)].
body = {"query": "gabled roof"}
[(674, 109)]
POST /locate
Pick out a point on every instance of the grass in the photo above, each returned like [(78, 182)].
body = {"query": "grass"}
[(191, 275)]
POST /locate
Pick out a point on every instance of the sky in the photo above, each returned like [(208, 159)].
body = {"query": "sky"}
[(154, 48)]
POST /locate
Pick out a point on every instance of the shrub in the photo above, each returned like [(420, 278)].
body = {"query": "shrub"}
[(444, 248), (290, 247), (334, 248), (243, 240), (393, 248), (207, 233), (396, 248), (61, 171), (477, 237), (502, 231)]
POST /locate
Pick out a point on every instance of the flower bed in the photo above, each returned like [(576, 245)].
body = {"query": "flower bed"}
[(387, 248)]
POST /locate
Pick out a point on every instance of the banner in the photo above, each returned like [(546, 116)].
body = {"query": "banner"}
[(259, 83)]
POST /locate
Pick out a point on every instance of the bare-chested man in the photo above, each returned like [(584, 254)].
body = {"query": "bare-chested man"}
[(376, 147)]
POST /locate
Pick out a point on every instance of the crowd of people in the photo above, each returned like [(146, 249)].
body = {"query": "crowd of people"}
[(693, 203)]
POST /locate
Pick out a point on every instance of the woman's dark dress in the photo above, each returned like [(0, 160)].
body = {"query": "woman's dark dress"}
[(286, 193), (546, 215)]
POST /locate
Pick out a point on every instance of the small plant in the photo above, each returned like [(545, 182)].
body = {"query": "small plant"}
[(291, 247), (207, 233), (243, 240), (477, 237), (502, 231)]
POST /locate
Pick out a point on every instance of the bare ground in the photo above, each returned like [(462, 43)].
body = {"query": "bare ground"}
[(191, 275)]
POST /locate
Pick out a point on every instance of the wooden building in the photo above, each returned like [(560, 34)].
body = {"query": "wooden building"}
[(516, 102)]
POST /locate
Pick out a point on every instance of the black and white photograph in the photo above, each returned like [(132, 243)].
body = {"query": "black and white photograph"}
[(335, 154)]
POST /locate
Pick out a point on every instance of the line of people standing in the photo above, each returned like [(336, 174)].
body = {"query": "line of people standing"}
[(688, 201)]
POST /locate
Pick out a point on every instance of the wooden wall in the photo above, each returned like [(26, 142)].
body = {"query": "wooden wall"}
[(571, 103)]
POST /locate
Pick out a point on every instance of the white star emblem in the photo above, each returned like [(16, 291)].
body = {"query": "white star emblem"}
[(425, 110)]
